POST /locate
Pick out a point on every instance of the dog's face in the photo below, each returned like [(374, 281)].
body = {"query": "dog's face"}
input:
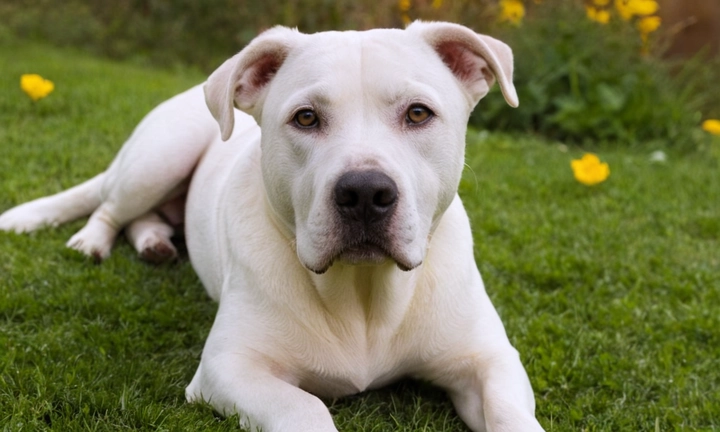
[(369, 130), (363, 133)]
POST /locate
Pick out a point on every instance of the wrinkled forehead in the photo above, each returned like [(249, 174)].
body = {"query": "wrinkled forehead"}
[(384, 60)]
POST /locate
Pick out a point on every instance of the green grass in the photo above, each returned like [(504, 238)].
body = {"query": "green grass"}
[(610, 293)]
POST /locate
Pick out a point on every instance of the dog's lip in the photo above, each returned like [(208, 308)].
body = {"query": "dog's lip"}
[(360, 253), (366, 252)]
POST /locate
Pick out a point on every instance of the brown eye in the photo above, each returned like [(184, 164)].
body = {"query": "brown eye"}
[(306, 119), (418, 114)]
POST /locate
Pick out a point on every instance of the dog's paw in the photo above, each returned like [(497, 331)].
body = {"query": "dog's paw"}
[(519, 421), (150, 236), (28, 217), (157, 250), (94, 240)]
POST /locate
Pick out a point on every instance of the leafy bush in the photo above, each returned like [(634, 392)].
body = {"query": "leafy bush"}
[(579, 80), (203, 33)]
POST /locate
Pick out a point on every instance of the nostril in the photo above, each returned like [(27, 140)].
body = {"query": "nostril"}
[(384, 198), (346, 198)]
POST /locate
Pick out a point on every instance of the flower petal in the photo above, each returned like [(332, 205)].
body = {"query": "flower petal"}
[(712, 126), (35, 86), (589, 171)]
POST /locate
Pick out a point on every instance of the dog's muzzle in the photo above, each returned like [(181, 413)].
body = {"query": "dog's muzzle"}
[(365, 202)]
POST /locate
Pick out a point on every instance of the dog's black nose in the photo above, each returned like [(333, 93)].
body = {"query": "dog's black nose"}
[(365, 196)]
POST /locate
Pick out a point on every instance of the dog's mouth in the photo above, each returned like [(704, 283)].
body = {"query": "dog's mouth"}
[(365, 253)]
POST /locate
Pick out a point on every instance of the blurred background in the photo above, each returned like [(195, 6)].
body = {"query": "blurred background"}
[(608, 72)]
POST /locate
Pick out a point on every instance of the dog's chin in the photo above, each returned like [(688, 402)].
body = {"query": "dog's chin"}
[(364, 254)]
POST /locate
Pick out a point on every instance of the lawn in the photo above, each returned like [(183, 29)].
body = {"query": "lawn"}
[(610, 293)]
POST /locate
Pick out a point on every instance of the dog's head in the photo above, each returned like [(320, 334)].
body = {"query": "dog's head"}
[(363, 133)]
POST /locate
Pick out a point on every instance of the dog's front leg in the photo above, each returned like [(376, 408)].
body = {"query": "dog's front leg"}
[(483, 374), (233, 384), (492, 393)]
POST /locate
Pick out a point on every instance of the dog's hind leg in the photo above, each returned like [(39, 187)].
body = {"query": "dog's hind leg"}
[(153, 167), (151, 236), (54, 210), (130, 204), (97, 237)]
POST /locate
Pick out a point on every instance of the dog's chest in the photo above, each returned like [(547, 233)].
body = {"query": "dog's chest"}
[(354, 362), (358, 335)]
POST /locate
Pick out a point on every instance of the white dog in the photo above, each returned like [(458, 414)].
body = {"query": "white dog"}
[(334, 241)]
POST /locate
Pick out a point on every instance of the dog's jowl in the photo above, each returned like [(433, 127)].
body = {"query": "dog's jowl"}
[(320, 174)]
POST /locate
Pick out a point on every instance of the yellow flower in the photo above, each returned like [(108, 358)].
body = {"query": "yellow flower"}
[(601, 3), (623, 9), (36, 86), (598, 15), (404, 5), (630, 8), (512, 11), (437, 4), (644, 7), (712, 126), (589, 170), (649, 24)]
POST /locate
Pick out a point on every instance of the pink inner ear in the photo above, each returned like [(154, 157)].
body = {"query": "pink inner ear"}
[(256, 77), (464, 64), (264, 69)]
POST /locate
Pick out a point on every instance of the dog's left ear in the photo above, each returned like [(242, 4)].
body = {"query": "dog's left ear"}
[(240, 81), (476, 60)]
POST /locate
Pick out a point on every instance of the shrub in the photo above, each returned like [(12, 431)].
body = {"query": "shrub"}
[(580, 80), (202, 33)]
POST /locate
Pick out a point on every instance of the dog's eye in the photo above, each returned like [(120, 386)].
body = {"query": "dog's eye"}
[(418, 114), (306, 119)]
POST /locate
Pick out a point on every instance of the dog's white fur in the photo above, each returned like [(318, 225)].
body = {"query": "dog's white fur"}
[(301, 313)]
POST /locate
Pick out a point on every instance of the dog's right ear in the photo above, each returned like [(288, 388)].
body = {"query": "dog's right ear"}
[(240, 81)]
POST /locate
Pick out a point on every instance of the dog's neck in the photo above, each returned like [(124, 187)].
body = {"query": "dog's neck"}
[(381, 294)]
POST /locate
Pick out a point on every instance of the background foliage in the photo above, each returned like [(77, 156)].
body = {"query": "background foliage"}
[(582, 81), (578, 80), (204, 32)]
